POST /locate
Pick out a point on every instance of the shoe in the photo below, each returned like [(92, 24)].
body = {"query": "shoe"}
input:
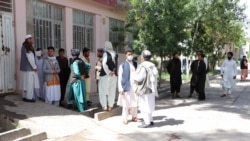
[(29, 100), (173, 96), (125, 121), (151, 123), (189, 96), (144, 126), (69, 106), (177, 96), (134, 119), (89, 102), (223, 95), (105, 108), (201, 99), (109, 108)]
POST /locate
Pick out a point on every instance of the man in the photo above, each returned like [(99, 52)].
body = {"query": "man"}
[(51, 70), (146, 88), (64, 73), (77, 85), (201, 77), (85, 58), (29, 78), (39, 62), (244, 68), (127, 98), (108, 77), (174, 69), (228, 74), (98, 66)]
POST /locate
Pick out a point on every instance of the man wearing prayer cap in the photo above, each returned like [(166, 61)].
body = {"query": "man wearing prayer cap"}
[(29, 77), (146, 88)]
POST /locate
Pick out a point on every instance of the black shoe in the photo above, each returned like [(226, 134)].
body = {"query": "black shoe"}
[(144, 125), (69, 106), (177, 96), (189, 96), (151, 123), (89, 102), (29, 100), (223, 95)]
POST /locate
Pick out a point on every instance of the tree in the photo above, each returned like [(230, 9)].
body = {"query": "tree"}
[(160, 25)]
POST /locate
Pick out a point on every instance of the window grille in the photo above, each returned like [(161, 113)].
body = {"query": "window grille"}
[(6, 5), (83, 30), (117, 34), (48, 25)]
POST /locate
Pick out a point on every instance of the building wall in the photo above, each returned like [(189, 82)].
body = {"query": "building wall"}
[(23, 10)]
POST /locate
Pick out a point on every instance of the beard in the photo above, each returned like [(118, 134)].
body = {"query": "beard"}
[(229, 58)]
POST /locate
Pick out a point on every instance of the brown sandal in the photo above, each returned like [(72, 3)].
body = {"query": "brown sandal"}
[(134, 119)]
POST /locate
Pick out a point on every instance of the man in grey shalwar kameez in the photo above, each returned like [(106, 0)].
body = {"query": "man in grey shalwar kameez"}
[(146, 81)]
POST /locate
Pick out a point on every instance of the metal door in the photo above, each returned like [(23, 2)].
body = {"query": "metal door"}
[(7, 54)]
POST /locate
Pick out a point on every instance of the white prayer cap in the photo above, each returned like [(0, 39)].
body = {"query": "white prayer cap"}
[(28, 36), (38, 53)]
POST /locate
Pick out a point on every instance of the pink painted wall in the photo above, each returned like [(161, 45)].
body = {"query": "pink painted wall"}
[(102, 15), (20, 32)]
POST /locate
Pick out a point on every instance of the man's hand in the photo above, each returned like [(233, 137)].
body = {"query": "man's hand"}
[(35, 69), (83, 77), (234, 77), (111, 73), (121, 93)]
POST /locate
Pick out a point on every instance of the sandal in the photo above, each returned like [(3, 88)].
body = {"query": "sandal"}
[(134, 119), (109, 108), (125, 121), (105, 108)]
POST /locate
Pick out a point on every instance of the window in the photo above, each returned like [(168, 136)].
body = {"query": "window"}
[(48, 25), (83, 30), (6, 5), (117, 34)]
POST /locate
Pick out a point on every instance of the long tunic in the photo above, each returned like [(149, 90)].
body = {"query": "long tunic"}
[(53, 90), (77, 88), (39, 62), (29, 79), (228, 70), (174, 69), (128, 99), (146, 102), (88, 80)]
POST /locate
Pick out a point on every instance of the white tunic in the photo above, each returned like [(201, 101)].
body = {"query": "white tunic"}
[(228, 70), (29, 79), (128, 99), (146, 102)]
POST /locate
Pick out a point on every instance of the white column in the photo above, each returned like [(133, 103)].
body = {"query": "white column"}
[(68, 35)]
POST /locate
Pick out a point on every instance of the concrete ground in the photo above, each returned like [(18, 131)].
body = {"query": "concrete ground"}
[(216, 119)]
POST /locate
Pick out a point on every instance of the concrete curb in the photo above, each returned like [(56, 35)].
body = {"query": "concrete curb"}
[(14, 134), (106, 114), (33, 137)]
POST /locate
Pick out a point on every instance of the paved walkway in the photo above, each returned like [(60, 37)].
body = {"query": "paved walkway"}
[(216, 119)]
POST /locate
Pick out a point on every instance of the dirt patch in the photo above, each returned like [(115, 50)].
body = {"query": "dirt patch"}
[(7, 113)]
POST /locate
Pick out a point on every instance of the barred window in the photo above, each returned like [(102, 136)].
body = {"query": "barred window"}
[(83, 30), (6, 5), (117, 34), (48, 25)]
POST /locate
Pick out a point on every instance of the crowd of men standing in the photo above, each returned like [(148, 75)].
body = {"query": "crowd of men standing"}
[(57, 80)]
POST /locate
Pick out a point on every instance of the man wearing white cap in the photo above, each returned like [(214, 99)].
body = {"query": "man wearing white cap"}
[(146, 88), (29, 77)]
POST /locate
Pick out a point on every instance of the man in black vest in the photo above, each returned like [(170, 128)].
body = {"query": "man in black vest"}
[(108, 77)]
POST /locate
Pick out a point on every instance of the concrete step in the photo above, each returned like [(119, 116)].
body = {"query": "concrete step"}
[(14, 134), (33, 137)]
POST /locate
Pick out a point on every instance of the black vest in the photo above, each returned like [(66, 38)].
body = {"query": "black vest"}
[(111, 65)]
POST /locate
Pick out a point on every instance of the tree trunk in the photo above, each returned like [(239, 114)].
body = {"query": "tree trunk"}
[(160, 72)]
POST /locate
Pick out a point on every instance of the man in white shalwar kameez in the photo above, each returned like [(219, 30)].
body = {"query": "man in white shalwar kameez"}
[(127, 98), (29, 78), (228, 74), (39, 62), (146, 88), (108, 77)]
